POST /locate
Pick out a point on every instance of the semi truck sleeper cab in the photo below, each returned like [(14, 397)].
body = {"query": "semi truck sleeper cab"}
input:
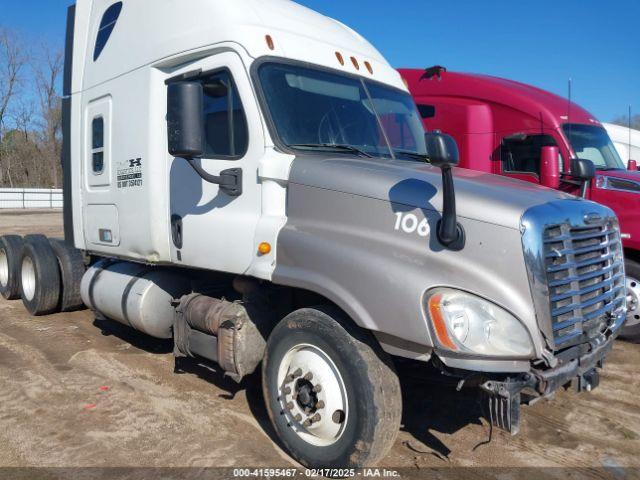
[(253, 180)]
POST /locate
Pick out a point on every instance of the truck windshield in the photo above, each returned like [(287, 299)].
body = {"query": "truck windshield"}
[(593, 143), (313, 109)]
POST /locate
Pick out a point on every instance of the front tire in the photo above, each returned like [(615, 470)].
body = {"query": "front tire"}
[(332, 394), (631, 329)]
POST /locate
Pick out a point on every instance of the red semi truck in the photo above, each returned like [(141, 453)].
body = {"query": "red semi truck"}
[(520, 131)]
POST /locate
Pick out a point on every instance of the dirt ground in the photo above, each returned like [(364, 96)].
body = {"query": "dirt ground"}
[(78, 392)]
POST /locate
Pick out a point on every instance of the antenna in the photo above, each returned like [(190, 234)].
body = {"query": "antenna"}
[(569, 104), (569, 111), (629, 149)]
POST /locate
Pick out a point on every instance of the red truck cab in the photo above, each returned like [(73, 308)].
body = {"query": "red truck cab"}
[(520, 131)]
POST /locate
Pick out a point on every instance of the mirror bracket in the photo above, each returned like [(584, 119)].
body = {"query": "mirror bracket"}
[(450, 232), (458, 243), (442, 151), (230, 181)]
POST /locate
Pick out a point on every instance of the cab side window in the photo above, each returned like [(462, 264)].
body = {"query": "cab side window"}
[(97, 145), (521, 153), (226, 131)]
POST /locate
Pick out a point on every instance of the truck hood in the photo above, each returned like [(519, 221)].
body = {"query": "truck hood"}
[(479, 196)]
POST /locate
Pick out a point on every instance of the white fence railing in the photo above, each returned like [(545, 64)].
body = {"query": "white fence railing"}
[(30, 198)]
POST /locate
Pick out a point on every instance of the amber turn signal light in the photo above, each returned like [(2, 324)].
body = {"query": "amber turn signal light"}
[(264, 248), (435, 311)]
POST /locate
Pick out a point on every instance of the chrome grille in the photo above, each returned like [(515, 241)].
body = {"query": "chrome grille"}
[(585, 277)]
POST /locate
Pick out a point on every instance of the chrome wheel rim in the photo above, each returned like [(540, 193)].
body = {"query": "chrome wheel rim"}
[(28, 278), (4, 268), (312, 395), (633, 301)]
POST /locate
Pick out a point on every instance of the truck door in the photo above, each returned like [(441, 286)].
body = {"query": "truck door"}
[(520, 153), (209, 228)]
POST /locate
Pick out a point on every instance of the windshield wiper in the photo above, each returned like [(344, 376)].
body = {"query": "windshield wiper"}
[(332, 146), (412, 154)]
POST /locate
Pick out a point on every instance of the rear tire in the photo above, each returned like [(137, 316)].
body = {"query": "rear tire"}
[(358, 406), (39, 276), (72, 269), (631, 329), (10, 256)]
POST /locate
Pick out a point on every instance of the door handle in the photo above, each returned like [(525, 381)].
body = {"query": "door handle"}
[(176, 231)]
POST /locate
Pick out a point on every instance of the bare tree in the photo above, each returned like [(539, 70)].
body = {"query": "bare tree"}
[(47, 74), (13, 59), (623, 120), (25, 149)]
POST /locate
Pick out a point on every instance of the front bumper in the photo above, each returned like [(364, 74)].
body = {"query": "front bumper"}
[(503, 396)]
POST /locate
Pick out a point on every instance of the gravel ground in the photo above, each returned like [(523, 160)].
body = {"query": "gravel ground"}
[(78, 392)]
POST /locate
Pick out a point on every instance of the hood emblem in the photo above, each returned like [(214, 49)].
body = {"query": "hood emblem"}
[(591, 218)]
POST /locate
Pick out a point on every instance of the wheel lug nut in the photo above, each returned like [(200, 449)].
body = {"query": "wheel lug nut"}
[(310, 421), (287, 390), (298, 418), (320, 405), (297, 373), (289, 406), (317, 388), (308, 376)]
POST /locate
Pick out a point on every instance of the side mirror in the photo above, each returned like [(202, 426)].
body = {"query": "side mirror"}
[(633, 166), (550, 167), (442, 152), (185, 131), (583, 170), (185, 120)]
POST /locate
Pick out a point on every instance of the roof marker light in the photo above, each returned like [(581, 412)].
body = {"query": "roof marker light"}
[(270, 43), (355, 63), (369, 67), (340, 58)]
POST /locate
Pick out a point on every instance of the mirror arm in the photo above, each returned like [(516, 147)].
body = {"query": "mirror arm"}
[(230, 180), (450, 232), (584, 188)]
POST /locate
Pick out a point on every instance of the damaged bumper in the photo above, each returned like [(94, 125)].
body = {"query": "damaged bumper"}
[(502, 398)]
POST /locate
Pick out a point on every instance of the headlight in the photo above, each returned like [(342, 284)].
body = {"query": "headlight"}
[(466, 323)]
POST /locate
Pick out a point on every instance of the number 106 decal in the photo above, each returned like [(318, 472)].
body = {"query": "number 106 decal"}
[(409, 223)]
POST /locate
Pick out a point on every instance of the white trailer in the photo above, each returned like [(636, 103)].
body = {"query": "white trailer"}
[(251, 179), (627, 141)]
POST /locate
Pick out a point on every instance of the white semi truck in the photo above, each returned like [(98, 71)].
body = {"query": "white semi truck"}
[(251, 179)]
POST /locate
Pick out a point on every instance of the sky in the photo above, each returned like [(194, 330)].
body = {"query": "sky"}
[(596, 43)]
